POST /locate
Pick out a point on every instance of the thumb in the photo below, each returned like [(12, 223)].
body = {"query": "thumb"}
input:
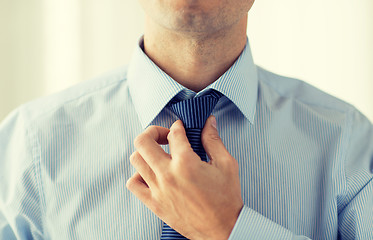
[(212, 142)]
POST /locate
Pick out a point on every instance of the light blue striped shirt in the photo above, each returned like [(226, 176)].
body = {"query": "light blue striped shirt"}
[(305, 158)]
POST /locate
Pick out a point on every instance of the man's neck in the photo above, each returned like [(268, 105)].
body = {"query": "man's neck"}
[(194, 60)]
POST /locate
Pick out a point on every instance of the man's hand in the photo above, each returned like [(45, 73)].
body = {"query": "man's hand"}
[(199, 200)]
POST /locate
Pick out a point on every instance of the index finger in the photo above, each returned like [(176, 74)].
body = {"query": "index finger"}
[(147, 144), (158, 133), (178, 141)]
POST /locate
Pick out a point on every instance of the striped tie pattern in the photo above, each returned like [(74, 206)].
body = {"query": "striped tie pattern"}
[(193, 113)]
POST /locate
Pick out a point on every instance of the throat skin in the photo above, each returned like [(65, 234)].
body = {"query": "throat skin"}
[(194, 59)]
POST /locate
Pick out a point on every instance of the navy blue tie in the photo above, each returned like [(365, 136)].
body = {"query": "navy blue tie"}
[(193, 113)]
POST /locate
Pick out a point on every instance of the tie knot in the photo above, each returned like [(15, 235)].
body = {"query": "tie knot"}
[(195, 111)]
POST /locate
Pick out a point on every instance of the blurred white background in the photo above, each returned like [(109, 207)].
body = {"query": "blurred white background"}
[(49, 45)]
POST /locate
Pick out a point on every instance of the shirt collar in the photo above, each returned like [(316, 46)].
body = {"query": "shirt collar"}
[(151, 88)]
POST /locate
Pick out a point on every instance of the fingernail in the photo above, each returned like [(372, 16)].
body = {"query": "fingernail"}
[(213, 122)]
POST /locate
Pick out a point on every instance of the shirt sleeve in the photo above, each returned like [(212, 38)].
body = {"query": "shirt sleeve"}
[(20, 211), (252, 225), (356, 202)]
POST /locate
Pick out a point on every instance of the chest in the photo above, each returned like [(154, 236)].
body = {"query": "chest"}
[(283, 174)]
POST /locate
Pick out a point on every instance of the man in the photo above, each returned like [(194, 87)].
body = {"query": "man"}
[(291, 163)]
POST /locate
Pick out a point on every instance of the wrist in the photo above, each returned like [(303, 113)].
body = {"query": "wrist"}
[(226, 228)]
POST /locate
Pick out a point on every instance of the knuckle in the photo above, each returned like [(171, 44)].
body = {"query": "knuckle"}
[(233, 166), (169, 136), (173, 134), (177, 130), (185, 168), (140, 140), (134, 157), (188, 169), (130, 184), (186, 173), (184, 154), (155, 206), (214, 136), (210, 137), (151, 129), (168, 177)]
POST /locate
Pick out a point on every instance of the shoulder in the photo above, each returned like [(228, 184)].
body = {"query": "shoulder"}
[(321, 112), (94, 91), (302, 93)]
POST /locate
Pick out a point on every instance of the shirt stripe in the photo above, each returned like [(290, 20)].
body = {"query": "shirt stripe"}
[(305, 158)]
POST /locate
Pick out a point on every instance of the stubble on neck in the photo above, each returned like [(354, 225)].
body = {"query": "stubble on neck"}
[(195, 59)]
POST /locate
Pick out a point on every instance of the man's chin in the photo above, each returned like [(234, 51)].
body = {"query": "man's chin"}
[(189, 22), (189, 6)]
